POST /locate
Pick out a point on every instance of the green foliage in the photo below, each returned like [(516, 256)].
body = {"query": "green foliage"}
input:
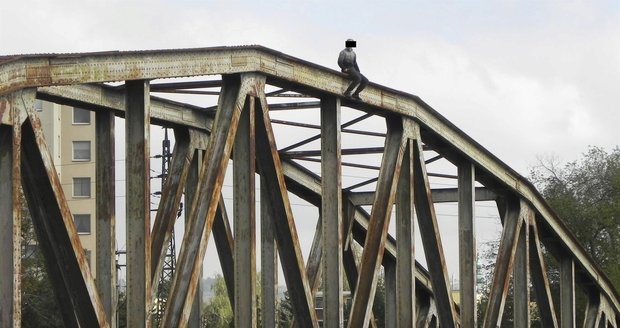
[(378, 306), (39, 304), (217, 312), (259, 313), (586, 195), (121, 310), (285, 312), (162, 297), (487, 257)]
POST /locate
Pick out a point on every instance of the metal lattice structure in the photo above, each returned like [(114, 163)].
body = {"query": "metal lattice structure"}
[(167, 271), (241, 129)]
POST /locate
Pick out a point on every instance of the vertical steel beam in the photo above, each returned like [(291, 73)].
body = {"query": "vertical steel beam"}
[(286, 234), (567, 291), (190, 193), (58, 240), (540, 281), (467, 244), (9, 233), (137, 129), (10, 221), (503, 266), (405, 243), (331, 212), (391, 295), (244, 218), (204, 205), (372, 255), (431, 239), (106, 216), (520, 273), (269, 261)]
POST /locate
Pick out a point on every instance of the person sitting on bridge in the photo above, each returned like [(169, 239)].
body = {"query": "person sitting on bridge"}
[(348, 64)]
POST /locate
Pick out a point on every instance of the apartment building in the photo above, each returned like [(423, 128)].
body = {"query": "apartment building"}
[(70, 137)]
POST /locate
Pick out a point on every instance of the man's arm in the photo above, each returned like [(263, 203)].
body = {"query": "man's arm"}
[(341, 60), (355, 62)]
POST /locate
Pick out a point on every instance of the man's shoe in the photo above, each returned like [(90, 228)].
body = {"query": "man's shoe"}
[(348, 95), (357, 97)]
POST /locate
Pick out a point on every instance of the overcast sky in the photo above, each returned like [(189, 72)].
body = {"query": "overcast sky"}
[(523, 78)]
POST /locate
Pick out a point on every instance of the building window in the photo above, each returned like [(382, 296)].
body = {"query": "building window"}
[(81, 151), (38, 105), (81, 187), (81, 116), (82, 223)]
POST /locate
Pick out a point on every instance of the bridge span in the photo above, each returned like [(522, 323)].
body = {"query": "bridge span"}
[(411, 144)]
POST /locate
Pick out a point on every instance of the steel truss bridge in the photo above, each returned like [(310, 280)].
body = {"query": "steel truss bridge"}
[(351, 240)]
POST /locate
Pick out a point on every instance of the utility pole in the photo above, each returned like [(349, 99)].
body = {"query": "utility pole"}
[(167, 271)]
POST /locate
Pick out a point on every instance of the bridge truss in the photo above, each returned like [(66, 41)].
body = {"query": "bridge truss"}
[(351, 240)]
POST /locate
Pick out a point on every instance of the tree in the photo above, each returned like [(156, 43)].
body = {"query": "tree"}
[(487, 258), (285, 311), (218, 312), (39, 304), (586, 195), (121, 310), (378, 306)]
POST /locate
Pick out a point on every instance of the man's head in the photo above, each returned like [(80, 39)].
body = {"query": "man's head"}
[(350, 43)]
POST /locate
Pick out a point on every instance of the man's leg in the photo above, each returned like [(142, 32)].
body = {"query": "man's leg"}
[(363, 84), (349, 90), (355, 78)]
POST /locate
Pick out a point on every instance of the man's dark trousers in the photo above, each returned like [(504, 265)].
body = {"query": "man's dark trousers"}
[(356, 79)]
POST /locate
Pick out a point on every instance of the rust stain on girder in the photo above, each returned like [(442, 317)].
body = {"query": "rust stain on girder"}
[(39, 74)]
